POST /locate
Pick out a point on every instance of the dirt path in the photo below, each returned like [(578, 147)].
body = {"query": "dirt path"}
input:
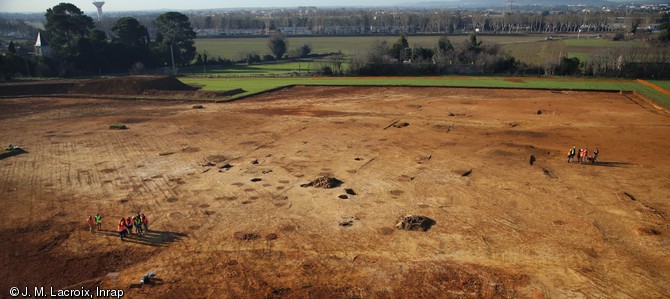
[(508, 229)]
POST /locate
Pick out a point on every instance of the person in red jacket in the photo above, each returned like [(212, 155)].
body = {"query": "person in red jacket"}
[(91, 223), (145, 223)]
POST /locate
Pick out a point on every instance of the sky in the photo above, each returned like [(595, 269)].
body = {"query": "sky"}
[(179, 5)]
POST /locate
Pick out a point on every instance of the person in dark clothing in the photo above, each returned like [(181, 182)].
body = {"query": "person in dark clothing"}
[(594, 160)]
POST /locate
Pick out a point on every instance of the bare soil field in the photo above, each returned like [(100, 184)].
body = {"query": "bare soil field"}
[(229, 219)]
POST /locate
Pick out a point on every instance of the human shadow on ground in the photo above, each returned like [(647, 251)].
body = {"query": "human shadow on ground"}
[(14, 152), (609, 164), (151, 238)]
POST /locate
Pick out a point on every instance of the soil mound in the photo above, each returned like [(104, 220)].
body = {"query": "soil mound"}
[(119, 86), (131, 85), (323, 182), (415, 222), (35, 88)]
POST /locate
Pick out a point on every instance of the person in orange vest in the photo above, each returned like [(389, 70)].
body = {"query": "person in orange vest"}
[(91, 223), (122, 229), (129, 225), (145, 223), (579, 155), (583, 155)]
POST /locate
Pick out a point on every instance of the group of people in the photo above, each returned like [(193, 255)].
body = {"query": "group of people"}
[(94, 222), (140, 222), (125, 228), (583, 155)]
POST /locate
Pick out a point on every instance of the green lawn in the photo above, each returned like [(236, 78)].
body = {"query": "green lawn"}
[(256, 85)]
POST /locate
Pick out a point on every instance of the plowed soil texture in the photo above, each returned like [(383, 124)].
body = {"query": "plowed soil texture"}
[(220, 187)]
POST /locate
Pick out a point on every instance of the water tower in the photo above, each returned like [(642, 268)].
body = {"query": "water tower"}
[(99, 4)]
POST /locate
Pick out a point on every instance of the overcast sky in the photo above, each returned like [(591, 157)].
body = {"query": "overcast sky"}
[(180, 5)]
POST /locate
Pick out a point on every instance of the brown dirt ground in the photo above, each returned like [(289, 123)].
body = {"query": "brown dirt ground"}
[(508, 229)]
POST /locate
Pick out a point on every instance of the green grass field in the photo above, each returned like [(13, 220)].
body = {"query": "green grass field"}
[(584, 47), (601, 42), (256, 85), (231, 48), (531, 49), (254, 70), (581, 56), (537, 52), (258, 69)]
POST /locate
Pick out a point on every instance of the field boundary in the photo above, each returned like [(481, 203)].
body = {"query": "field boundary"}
[(654, 86), (256, 86), (243, 88), (470, 87), (233, 98), (652, 102), (558, 90)]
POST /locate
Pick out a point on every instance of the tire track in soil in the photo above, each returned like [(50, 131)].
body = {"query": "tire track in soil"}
[(123, 148), (168, 185), (13, 187), (39, 163)]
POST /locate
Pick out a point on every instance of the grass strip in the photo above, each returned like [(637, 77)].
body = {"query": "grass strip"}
[(258, 85)]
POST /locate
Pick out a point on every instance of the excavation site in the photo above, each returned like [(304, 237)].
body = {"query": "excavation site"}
[(337, 192)]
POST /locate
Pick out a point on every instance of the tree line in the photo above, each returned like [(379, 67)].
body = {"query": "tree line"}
[(78, 48), (432, 21), (472, 56), (411, 21)]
